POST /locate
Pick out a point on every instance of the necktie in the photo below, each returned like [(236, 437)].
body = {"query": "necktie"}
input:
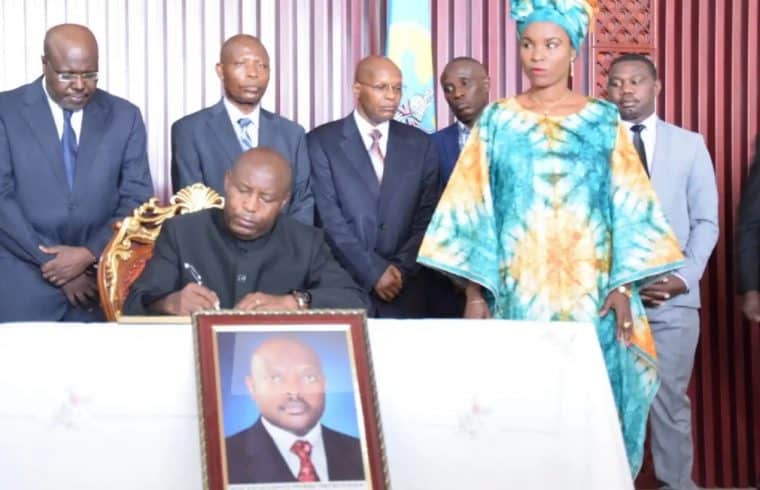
[(376, 153), (245, 139), (69, 143), (302, 449), (639, 144), (464, 135)]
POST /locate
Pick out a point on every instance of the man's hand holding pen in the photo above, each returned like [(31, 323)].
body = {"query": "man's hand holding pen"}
[(193, 297)]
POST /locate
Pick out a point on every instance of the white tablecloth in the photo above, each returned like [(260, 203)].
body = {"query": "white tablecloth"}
[(464, 405)]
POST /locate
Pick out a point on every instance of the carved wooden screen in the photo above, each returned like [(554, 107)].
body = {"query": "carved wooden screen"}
[(621, 27)]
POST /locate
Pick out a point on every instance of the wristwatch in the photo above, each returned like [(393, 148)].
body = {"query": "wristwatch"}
[(624, 290), (303, 298)]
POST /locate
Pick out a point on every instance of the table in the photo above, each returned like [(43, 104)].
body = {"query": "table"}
[(464, 404)]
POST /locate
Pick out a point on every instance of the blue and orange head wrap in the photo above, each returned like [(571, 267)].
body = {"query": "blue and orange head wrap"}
[(574, 16)]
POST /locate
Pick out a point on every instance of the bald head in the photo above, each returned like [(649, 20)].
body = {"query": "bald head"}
[(367, 67), (70, 65), (283, 349), (66, 37), (288, 384), (267, 160), (258, 189), (377, 89), (474, 66), (236, 42)]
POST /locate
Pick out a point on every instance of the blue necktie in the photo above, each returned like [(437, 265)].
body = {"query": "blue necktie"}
[(69, 142), (245, 138)]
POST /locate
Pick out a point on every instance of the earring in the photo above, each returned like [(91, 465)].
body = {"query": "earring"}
[(571, 68)]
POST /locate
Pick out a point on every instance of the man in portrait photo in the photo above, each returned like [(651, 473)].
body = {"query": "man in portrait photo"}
[(288, 442)]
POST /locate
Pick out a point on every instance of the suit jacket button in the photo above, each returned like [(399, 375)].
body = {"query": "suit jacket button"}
[(382, 226)]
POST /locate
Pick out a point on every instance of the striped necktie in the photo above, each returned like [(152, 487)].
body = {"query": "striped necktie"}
[(376, 153), (245, 139)]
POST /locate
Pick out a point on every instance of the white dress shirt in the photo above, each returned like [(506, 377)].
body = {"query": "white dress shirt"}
[(284, 441), (57, 112), (235, 114), (365, 129), (648, 137)]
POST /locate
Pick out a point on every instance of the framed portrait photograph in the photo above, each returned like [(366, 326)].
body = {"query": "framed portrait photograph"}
[(287, 401)]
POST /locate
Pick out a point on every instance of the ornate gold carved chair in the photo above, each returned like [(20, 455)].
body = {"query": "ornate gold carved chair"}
[(125, 256)]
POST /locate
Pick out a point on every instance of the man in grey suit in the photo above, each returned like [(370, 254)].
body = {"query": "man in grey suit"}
[(207, 143), (683, 178), (72, 161)]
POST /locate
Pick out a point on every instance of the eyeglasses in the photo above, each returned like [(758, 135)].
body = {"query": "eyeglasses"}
[(382, 88), (66, 77)]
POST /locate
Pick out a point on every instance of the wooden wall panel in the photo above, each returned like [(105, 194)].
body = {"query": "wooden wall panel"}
[(707, 54), (708, 58)]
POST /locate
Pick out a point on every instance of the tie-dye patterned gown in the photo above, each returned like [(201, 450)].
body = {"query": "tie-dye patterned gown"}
[(550, 214)]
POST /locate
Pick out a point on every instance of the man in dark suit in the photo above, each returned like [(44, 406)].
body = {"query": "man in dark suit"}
[(248, 256), (683, 178), (287, 443), (72, 160), (464, 82), (206, 144), (748, 241), (375, 184)]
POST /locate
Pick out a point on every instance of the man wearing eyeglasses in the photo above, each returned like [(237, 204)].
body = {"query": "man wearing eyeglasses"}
[(72, 160), (375, 185)]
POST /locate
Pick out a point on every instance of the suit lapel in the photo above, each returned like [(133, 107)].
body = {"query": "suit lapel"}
[(37, 114), (451, 143), (266, 462), (94, 122), (355, 152), (397, 166), (221, 126), (267, 133), (660, 158), (337, 465)]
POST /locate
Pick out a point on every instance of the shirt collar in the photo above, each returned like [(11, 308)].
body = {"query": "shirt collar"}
[(54, 107), (52, 103), (284, 439), (365, 127), (236, 114), (649, 122)]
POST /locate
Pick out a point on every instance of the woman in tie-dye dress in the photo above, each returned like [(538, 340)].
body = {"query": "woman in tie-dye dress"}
[(550, 216)]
